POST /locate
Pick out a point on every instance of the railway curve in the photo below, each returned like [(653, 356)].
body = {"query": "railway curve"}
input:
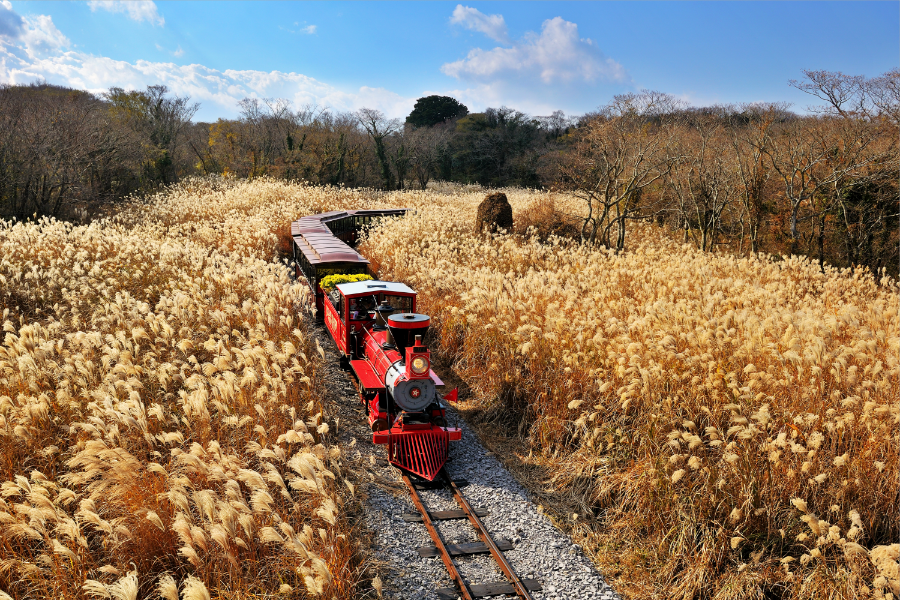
[(437, 542)]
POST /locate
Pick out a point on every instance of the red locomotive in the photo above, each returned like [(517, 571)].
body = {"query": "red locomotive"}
[(375, 326)]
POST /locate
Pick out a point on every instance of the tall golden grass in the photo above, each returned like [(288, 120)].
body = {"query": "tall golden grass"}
[(161, 414), (730, 425)]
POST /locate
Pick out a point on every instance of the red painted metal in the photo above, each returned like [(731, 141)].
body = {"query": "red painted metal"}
[(420, 445), (412, 353), (367, 377), (452, 396), (335, 326), (380, 358), (378, 421), (421, 452), (399, 323)]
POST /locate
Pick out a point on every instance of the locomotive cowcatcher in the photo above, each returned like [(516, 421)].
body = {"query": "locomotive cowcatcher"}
[(376, 329)]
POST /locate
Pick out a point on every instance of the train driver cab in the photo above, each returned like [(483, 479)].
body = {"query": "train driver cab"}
[(355, 306)]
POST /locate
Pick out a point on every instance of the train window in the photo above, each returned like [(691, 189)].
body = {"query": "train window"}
[(360, 307), (337, 302), (401, 304)]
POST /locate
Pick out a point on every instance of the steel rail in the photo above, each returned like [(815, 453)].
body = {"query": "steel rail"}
[(455, 575), (521, 590), (464, 590), (438, 540)]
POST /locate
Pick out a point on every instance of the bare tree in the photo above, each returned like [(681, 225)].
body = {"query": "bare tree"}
[(159, 118), (556, 125), (703, 180), (379, 127), (268, 125), (809, 158), (398, 153), (885, 94), (425, 145), (618, 155), (749, 132), (817, 158), (844, 95), (59, 145)]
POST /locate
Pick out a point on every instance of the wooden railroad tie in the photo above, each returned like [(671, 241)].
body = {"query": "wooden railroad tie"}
[(442, 515), (462, 549), (437, 485), (497, 588)]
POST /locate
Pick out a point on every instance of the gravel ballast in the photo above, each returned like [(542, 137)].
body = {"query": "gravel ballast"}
[(541, 551)]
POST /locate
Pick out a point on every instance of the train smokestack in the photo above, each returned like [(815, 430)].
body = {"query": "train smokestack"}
[(408, 329)]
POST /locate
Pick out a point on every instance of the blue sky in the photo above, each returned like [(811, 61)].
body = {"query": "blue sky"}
[(533, 56)]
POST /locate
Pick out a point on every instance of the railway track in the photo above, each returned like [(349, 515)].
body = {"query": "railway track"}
[(513, 586)]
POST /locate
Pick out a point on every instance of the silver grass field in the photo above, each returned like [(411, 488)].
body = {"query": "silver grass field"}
[(727, 427)]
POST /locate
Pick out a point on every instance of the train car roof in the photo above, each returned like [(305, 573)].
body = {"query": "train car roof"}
[(315, 240), (316, 223), (322, 248), (374, 287)]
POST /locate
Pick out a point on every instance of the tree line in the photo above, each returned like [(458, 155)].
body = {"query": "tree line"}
[(748, 178), (62, 148)]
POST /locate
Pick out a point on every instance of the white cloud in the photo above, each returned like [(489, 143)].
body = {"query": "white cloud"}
[(557, 55), (41, 35), (11, 24), (32, 49), (492, 26), (137, 10), (36, 35), (309, 29), (218, 91)]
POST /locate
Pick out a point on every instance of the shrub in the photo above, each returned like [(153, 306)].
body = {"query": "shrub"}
[(543, 219)]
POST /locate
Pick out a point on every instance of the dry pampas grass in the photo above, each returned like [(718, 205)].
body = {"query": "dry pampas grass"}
[(161, 420), (731, 424)]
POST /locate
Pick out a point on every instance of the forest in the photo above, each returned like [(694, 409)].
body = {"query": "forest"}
[(820, 181)]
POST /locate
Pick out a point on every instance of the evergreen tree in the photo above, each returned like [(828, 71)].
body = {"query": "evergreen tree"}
[(432, 110)]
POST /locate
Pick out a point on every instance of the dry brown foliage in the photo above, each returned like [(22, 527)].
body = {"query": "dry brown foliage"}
[(542, 218), (161, 421), (494, 213), (729, 425)]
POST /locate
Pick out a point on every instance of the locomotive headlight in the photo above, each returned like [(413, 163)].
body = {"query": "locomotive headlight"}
[(419, 365)]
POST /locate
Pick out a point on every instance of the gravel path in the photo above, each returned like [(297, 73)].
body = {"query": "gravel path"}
[(541, 550)]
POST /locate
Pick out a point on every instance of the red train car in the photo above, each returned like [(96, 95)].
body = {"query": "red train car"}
[(375, 326), (324, 245)]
